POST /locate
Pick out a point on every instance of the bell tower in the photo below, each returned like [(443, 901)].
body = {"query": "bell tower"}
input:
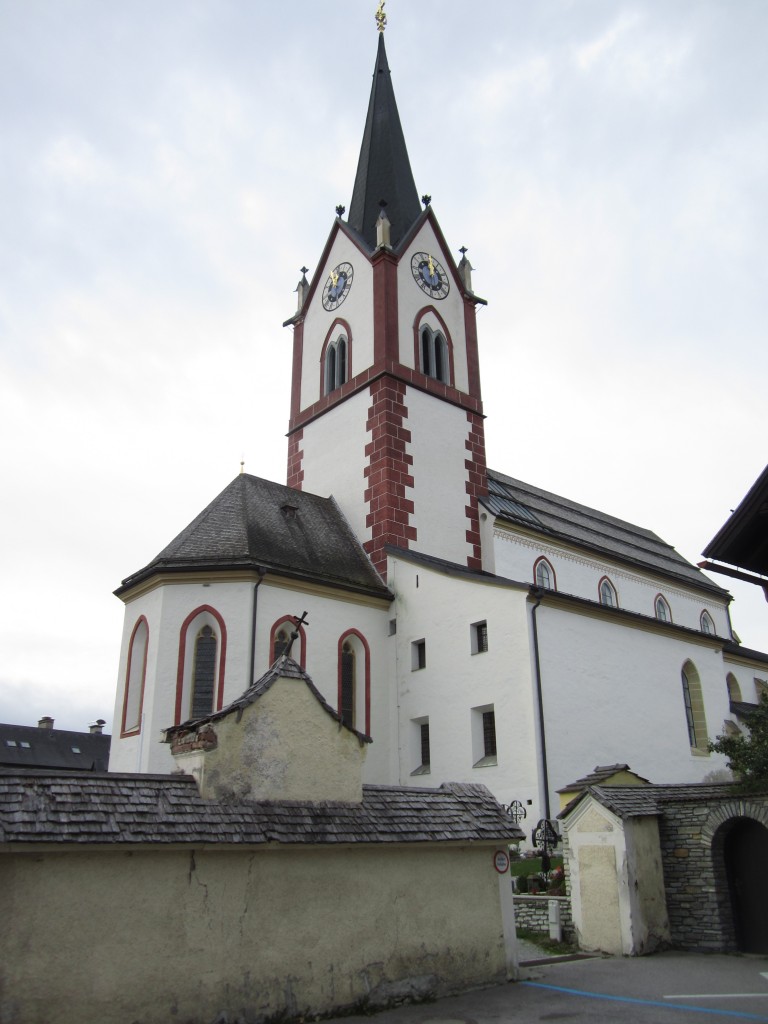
[(386, 412)]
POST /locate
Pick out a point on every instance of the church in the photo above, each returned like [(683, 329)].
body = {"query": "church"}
[(474, 627)]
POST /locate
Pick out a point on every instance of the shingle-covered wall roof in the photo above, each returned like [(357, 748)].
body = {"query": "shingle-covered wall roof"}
[(258, 523), (636, 801), (28, 746), (162, 809), (567, 521)]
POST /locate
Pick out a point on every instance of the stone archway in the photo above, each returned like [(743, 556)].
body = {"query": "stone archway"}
[(745, 855), (738, 833)]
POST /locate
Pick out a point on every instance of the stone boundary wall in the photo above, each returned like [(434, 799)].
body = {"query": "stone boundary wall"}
[(698, 903), (532, 912)]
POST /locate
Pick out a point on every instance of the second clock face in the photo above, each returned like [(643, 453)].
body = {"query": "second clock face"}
[(337, 286), (429, 275)]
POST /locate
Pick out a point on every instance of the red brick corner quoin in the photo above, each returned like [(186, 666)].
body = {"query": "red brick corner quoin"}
[(388, 472), (477, 485)]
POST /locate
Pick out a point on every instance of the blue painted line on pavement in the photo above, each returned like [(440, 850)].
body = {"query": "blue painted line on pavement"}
[(644, 1002)]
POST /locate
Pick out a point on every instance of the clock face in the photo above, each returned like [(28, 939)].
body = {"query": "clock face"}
[(337, 286), (429, 275)]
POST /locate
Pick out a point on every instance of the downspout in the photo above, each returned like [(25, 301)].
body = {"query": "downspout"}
[(536, 592), (262, 573)]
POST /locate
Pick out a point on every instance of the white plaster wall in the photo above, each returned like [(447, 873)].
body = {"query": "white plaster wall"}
[(204, 934), (330, 613), (411, 299), (357, 310), (599, 891), (438, 435), (515, 553), (613, 693), (441, 610), (334, 458), (649, 924)]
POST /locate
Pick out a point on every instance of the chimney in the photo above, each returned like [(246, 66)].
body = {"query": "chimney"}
[(46, 722), (97, 727)]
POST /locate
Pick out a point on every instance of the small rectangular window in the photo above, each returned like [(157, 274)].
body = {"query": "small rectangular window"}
[(24, 744), (10, 743), (418, 655), (484, 746), (76, 750), (419, 746), (479, 637)]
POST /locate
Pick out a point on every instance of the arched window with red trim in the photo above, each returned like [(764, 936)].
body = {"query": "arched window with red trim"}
[(544, 574), (135, 675), (354, 681), (201, 664)]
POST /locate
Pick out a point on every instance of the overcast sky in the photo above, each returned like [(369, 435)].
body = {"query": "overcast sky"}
[(167, 166)]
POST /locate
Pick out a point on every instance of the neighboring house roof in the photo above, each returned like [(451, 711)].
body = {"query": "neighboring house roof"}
[(743, 540), (28, 746), (383, 169), (567, 521), (258, 524), (283, 667), (638, 801), (119, 809), (601, 774)]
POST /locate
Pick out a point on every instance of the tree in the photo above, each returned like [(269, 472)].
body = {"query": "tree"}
[(748, 754)]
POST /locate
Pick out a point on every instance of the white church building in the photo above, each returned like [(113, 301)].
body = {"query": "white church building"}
[(476, 628)]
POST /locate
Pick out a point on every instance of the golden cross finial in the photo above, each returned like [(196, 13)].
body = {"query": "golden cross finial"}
[(381, 18)]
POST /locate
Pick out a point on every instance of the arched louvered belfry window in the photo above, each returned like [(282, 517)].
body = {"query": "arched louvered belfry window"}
[(336, 364), (204, 673), (661, 609), (434, 355)]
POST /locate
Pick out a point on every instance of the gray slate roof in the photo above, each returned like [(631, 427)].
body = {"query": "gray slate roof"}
[(567, 521), (28, 746), (638, 801), (161, 809), (283, 666), (256, 523)]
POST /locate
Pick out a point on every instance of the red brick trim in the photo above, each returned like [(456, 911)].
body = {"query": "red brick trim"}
[(392, 369), (417, 325), (295, 475), (135, 731), (182, 654), (476, 485), (291, 621), (388, 472), (367, 657), (346, 330), (385, 310)]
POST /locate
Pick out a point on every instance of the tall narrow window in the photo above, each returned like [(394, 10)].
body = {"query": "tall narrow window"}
[(484, 736), (544, 575), (203, 673), (418, 655), (434, 355), (335, 364), (134, 677), (662, 609), (489, 733), (425, 754), (420, 750), (607, 593), (347, 709), (693, 702)]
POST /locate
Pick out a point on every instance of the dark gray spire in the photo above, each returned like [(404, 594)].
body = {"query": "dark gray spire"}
[(383, 170)]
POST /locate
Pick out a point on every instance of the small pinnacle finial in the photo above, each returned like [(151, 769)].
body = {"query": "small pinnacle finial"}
[(426, 200), (381, 18), (303, 271), (242, 466), (463, 250), (340, 211)]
